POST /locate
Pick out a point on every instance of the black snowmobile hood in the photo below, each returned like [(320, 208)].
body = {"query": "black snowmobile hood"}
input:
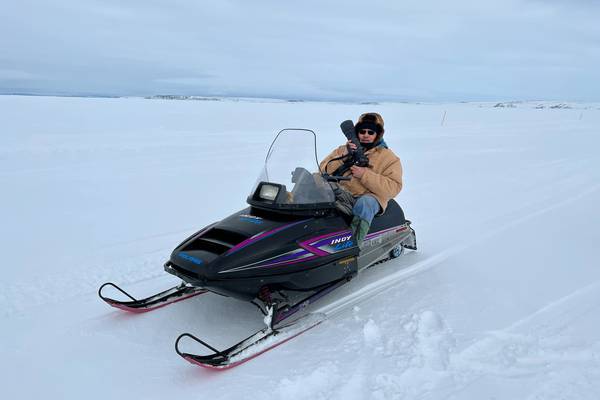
[(232, 240)]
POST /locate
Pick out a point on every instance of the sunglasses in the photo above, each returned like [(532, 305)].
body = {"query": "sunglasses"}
[(367, 132)]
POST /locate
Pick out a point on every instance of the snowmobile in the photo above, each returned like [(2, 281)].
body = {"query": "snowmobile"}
[(289, 248)]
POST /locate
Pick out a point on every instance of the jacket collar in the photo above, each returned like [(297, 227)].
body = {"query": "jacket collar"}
[(381, 145)]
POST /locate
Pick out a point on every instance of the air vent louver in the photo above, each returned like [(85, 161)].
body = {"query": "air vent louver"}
[(216, 241)]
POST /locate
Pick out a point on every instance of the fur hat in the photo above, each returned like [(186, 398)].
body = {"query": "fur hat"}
[(371, 121)]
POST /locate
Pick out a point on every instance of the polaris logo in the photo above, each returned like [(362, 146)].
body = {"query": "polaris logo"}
[(187, 257), (340, 240)]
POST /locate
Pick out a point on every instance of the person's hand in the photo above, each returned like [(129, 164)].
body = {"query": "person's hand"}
[(350, 147), (357, 171)]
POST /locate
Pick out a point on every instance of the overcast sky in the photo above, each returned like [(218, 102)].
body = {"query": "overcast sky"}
[(430, 50)]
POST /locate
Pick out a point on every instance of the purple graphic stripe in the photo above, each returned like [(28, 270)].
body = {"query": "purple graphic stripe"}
[(291, 256), (312, 244), (261, 236), (313, 250), (312, 240), (375, 234), (318, 241), (277, 264)]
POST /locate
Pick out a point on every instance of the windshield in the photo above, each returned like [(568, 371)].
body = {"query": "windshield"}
[(290, 176)]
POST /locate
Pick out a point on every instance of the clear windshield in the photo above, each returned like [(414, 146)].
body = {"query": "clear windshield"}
[(292, 162)]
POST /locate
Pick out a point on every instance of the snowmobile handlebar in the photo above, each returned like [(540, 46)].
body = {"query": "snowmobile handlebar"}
[(335, 178)]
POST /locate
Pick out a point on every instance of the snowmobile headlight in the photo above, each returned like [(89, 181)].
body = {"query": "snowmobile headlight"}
[(268, 192)]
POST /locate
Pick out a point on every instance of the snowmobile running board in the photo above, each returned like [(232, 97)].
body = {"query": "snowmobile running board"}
[(169, 296)]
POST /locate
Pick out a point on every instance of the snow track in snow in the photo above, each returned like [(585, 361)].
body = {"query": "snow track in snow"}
[(418, 266)]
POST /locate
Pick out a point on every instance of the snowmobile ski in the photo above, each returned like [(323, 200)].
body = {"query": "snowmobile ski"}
[(251, 347), (169, 296), (266, 339)]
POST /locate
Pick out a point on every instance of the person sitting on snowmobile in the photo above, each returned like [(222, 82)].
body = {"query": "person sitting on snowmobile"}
[(371, 187)]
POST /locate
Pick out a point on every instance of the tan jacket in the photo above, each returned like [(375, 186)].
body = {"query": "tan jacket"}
[(382, 179)]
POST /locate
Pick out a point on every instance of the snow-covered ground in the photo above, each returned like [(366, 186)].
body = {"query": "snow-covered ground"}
[(502, 300)]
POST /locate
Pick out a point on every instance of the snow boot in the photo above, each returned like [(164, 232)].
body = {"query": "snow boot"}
[(344, 201), (359, 228)]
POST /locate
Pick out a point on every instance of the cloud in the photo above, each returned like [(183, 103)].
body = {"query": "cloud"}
[(333, 50)]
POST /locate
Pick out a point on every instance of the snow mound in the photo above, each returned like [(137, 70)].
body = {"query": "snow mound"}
[(315, 385), (372, 334), (428, 340)]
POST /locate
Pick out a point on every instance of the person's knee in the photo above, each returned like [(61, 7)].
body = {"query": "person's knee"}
[(366, 207), (360, 204), (368, 201)]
